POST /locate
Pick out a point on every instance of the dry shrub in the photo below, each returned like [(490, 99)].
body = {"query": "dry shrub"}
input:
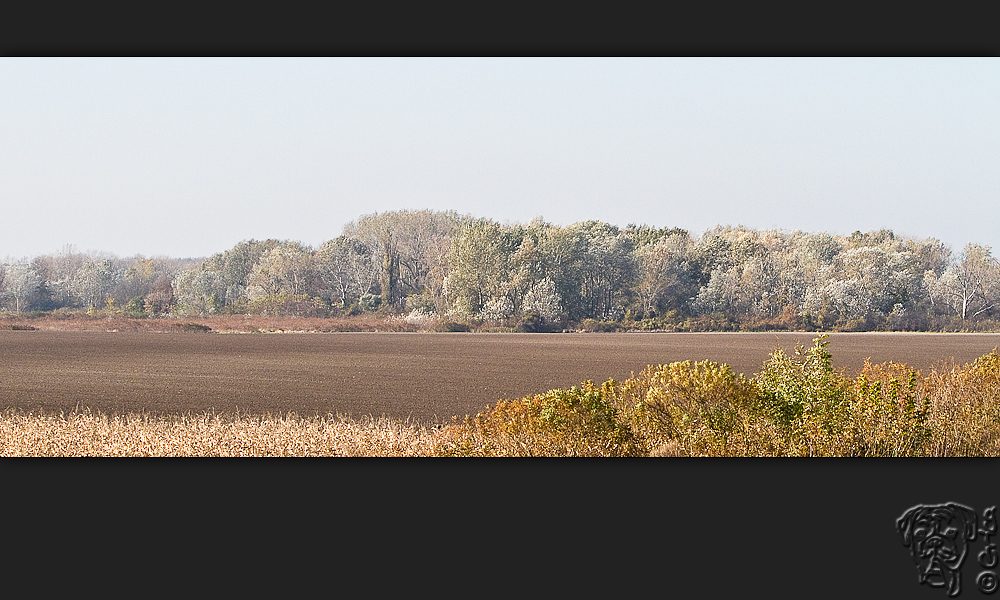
[(580, 421), (889, 413), (965, 408), (669, 449), (691, 409), (801, 406)]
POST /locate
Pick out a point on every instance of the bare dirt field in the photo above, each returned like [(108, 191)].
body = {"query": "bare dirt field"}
[(424, 377)]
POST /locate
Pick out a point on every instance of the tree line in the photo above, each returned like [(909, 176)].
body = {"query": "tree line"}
[(542, 277)]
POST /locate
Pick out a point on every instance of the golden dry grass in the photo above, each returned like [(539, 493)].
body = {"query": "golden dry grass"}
[(208, 435)]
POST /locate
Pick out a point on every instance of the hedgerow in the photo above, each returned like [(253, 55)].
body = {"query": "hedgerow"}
[(797, 405)]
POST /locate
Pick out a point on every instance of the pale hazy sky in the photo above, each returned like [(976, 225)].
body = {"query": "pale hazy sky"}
[(186, 157)]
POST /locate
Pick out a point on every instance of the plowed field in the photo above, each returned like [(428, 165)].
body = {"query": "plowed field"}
[(424, 377)]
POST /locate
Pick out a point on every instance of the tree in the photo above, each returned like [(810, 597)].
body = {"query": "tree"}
[(20, 282), (870, 280), (971, 286), (58, 272), (285, 269), (93, 281), (607, 269), (411, 248), (199, 291), (160, 297), (479, 276), (644, 235), (344, 270), (333, 270), (665, 278), (561, 252), (746, 290), (234, 267), (543, 299)]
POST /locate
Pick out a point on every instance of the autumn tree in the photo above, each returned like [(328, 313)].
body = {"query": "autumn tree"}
[(971, 286), (94, 280), (20, 284), (665, 276), (286, 269), (160, 297), (478, 283), (346, 269), (412, 248)]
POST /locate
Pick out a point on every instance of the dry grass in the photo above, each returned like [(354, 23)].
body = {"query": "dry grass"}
[(216, 323), (208, 435)]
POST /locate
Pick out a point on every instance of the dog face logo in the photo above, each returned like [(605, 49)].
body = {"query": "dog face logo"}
[(938, 537)]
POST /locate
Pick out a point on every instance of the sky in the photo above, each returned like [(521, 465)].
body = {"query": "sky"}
[(185, 157)]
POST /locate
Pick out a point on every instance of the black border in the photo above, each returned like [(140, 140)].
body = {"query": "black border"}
[(631, 28), (693, 527)]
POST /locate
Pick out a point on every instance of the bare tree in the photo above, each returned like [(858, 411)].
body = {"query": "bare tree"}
[(971, 286)]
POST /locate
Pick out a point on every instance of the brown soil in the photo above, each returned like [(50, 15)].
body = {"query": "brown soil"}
[(426, 377)]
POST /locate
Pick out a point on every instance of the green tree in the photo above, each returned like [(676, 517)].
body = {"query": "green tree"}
[(479, 277)]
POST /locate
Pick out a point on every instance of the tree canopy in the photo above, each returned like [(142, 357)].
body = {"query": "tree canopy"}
[(502, 274)]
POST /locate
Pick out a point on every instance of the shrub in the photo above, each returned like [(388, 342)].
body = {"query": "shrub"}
[(595, 326), (965, 408), (805, 397), (369, 302), (580, 421), (887, 418), (299, 305), (700, 408), (532, 322), (135, 308), (422, 302)]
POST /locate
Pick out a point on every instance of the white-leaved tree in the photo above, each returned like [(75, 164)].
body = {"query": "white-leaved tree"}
[(543, 299), (20, 284), (480, 270), (971, 286), (93, 281), (199, 291), (344, 270), (665, 275)]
